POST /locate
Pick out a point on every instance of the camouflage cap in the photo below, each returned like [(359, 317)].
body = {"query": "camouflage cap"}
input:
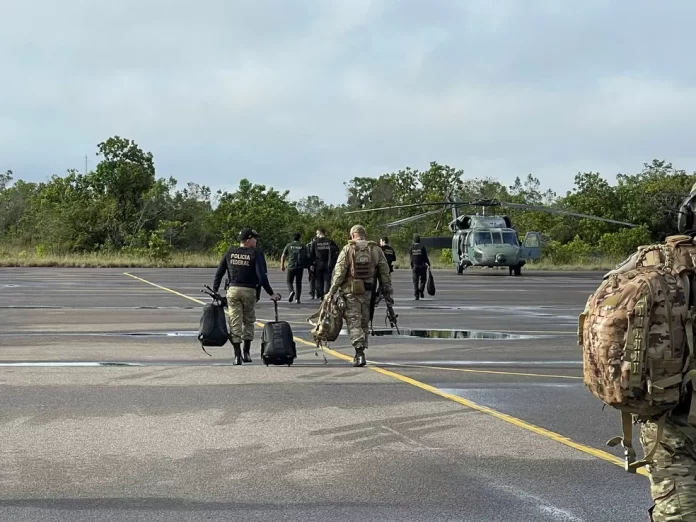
[(358, 229)]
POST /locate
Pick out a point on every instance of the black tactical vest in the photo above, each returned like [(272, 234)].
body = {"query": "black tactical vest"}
[(242, 265), (417, 257), (322, 248)]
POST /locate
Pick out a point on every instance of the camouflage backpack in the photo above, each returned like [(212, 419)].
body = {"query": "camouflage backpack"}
[(328, 320), (636, 334), (361, 259)]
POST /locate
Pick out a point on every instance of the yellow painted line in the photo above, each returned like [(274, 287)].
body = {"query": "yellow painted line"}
[(600, 454), (260, 325), (468, 370)]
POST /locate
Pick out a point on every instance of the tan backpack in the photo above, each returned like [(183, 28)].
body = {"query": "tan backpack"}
[(328, 320), (637, 338)]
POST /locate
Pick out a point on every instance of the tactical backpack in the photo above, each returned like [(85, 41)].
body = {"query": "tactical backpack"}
[(328, 321), (360, 261), (637, 338)]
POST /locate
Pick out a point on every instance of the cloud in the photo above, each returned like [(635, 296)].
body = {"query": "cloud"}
[(305, 94)]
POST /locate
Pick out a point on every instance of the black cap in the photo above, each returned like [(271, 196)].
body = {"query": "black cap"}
[(248, 233)]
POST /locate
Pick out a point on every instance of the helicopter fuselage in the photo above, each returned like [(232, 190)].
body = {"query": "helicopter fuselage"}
[(493, 247), (487, 246)]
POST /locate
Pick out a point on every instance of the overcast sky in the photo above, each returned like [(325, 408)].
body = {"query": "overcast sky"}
[(304, 95)]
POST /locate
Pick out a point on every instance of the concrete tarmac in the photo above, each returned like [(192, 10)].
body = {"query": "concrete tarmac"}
[(110, 410)]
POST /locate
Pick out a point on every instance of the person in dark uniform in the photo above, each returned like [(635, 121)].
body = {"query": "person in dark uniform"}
[(311, 269), (419, 267), (390, 255), (295, 257), (245, 266), (325, 255)]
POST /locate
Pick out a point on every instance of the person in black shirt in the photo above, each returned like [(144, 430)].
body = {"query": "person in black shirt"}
[(325, 254), (311, 269), (295, 255), (419, 267), (245, 266), (390, 255)]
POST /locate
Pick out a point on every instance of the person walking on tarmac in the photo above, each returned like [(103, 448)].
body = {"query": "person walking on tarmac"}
[(390, 255), (356, 267), (245, 266), (311, 269), (295, 256), (325, 255), (419, 267)]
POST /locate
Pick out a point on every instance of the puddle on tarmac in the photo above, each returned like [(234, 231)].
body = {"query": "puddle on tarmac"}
[(405, 332), (451, 334)]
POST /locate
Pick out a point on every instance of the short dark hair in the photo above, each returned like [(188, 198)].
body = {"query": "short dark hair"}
[(296, 236), (321, 230), (385, 239), (416, 238)]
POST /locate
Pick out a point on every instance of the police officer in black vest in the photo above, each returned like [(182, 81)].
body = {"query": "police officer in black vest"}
[(389, 252), (419, 267), (390, 255), (245, 266), (325, 255), (311, 269), (294, 259)]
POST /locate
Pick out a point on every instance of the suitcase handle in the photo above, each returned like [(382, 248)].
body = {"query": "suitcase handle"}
[(275, 307)]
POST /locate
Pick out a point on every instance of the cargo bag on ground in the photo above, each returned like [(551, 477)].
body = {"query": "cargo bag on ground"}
[(430, 285), (637, 339), (212, 329), (277, 342)]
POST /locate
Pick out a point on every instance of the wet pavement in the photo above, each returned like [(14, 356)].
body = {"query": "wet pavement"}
[(111, 410)]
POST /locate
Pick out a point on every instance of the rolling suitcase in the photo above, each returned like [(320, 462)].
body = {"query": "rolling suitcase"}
[(277, 343)]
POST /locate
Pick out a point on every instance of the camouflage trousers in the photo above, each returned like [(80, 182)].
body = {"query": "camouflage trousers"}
[(241, 313), (357, 318), (673, 474)]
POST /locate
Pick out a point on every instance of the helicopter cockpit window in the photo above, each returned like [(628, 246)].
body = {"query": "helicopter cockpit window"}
[(510, 238), (497, 238), (482, 238)]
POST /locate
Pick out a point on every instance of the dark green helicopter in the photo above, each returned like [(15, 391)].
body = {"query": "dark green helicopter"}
[(483, 240)]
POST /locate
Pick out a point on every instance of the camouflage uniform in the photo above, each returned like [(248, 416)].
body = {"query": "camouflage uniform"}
[(241, 313), (673, 471), (357, 311), (673, 468)]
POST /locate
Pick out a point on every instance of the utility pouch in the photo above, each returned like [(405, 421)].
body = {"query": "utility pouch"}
[(356, 287)]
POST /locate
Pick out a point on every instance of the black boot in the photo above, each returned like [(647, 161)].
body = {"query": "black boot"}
[(247, 349), (237, 354), (359, 359)]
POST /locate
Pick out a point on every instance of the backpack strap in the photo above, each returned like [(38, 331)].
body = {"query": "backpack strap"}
[(626, 440)]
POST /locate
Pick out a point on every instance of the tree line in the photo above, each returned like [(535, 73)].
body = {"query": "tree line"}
[(122, 206)]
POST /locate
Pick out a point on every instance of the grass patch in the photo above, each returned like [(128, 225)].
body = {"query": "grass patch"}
[(18, 257), (29, 258)]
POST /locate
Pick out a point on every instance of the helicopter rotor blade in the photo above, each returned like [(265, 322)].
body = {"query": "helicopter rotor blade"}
[(437, 203), (412, 218), (563, 212)]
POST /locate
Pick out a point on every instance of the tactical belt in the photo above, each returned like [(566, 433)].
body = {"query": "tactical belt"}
[(244, 285)]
